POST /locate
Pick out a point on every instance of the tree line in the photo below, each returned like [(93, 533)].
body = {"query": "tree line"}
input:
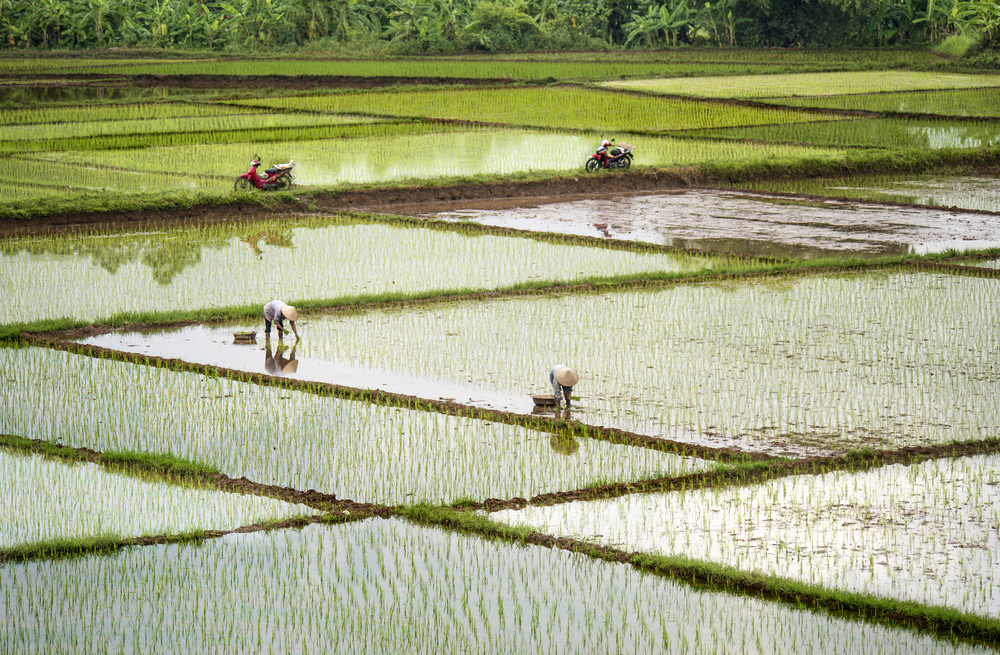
[(441, 26)]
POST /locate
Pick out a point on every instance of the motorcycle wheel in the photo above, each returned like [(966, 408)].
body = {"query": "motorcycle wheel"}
[(626, 162), (592, 165), (284, 182), (242, 184)]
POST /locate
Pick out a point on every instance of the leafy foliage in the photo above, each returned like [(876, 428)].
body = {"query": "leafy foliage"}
[(418, 26)]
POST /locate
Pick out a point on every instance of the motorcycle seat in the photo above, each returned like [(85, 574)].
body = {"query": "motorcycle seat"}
[(279, 167), (616, 152)]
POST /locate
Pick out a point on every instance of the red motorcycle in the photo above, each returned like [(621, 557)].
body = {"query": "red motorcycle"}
[(619, 156), (277, 177)]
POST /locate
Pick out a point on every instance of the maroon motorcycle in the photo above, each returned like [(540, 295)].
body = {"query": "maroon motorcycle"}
[(276, 177), (611, 155)]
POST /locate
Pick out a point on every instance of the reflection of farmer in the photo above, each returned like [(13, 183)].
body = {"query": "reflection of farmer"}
[(562, 379), (276, 363), (276, 312)]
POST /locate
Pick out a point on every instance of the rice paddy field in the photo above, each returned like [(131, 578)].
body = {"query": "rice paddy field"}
[(784, 437)]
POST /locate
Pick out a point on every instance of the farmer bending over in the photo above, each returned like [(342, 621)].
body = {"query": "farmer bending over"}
[(563, 378), (276, 312)]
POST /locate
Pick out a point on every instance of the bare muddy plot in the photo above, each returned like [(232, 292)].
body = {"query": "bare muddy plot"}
[(928, 533), (45, 499), (355, 450), (338, 589), (745, 223), (97, 276), (956, 192), (794, 366)]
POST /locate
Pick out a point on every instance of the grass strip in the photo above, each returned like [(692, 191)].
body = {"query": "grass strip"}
[(172, 470), (107, 544), (165, 467), (386, 398), (938, 621), (73, 328), (747, 471)]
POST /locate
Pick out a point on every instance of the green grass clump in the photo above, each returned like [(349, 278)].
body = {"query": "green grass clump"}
[(956, 45)]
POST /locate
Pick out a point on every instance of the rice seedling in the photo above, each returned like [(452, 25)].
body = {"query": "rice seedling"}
[(895, 133), (566, 107), (339, 588), (214, 123), (50, 500), (926, 533), (68, 117), (404, 154), (965, 102), (93, 277), (48, 177), (793, 366), (809, 84), (359, 451)]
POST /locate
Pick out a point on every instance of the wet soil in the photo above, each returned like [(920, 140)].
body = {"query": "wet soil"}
[(741, 222), (691, 214), (380, 200)]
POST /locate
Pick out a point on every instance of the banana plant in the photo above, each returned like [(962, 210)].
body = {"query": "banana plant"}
[(674, 19)]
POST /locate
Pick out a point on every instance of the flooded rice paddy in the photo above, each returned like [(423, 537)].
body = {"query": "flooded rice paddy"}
[(388, 586), (89, 277), (353, 449), (928, 532), (792, 366), (46, 499), (747, 223), (375, 158), (955, 192)]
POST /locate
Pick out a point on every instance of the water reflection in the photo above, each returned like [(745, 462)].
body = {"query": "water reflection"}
[(280, 360), (564, 444), (274, 238), (166, 254)]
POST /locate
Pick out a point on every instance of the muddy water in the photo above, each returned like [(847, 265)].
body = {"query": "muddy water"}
[(304, 360), (746, 223), (963, 192)]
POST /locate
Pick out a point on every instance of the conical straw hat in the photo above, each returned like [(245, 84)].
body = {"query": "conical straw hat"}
[(290, 313), (567, 377)]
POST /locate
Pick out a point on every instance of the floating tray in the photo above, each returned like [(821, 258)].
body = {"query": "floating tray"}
[(543, 400), (244, 337)]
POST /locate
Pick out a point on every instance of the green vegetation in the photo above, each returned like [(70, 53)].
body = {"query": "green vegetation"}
[(471, 25), (983, 102), (887, 133), (808, 84), (565, 107)]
